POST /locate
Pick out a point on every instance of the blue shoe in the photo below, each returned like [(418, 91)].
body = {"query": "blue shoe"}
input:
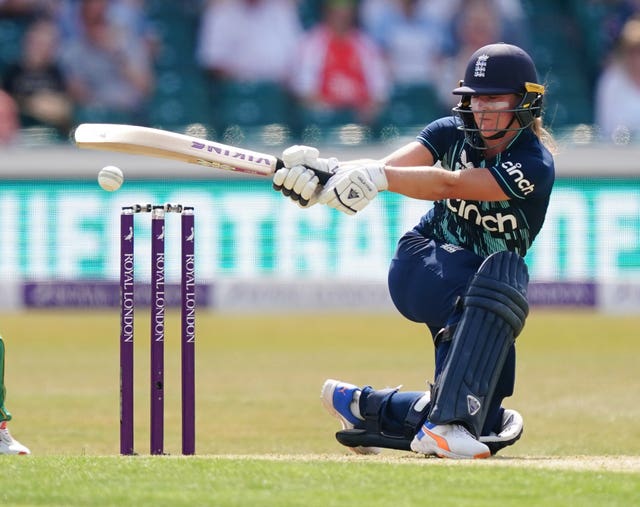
[(337, 398)]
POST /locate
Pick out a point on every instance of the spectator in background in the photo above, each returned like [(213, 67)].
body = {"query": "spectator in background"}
[(108, 71), (246, 49), (9, 120), (128, 16), (26, 7), (618, 88), (249, 40), (605, 20), (412, 41), (444, 13), (378, 15), (36, 81), (510, 14), (476, 26), (340, 73)]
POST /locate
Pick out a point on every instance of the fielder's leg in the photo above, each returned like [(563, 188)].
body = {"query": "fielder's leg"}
[(8, 444), (4, 413)]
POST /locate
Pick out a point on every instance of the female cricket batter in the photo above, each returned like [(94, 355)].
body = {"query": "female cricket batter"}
[(8, 444), (461, 269)]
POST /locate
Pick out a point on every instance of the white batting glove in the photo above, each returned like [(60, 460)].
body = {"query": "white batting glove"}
[(354, 186), (295, 180)]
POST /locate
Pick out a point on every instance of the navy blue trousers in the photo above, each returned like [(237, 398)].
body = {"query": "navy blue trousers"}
[(425, 280)]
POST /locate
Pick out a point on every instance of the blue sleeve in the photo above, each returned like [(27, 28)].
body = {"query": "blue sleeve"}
[(439, 136), (525, 173)]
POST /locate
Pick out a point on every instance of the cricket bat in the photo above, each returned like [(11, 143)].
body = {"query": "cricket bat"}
[(165, 144)]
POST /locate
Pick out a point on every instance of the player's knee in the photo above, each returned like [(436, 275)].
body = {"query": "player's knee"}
[(398, 277), (500, 287), (415, 295)]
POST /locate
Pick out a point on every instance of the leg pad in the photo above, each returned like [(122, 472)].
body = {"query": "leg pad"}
[(374, 435), (494, 311)]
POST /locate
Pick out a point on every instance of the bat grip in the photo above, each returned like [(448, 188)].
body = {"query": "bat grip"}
[(323, 176)]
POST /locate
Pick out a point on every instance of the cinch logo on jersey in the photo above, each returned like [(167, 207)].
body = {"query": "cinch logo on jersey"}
[(518, 176), (491, 222)]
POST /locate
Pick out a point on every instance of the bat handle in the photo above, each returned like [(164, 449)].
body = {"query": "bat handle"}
[(323, 176)]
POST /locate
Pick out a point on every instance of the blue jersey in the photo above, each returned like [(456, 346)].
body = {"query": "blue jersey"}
[(525, 172)]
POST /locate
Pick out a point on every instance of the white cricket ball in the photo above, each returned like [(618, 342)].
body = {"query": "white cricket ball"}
[(110, 178)]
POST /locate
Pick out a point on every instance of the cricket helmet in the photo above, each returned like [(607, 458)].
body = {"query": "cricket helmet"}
[(499, 69)]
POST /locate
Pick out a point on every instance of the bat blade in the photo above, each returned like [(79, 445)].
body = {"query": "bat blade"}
[(164, 144)]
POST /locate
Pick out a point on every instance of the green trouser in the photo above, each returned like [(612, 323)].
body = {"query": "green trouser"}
[(4, 413)]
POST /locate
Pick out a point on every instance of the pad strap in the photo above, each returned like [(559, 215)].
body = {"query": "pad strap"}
[(446, 333), (373, 435), (376, 401), (417, 415)]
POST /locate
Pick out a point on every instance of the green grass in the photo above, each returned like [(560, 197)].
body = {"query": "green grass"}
[(263, 437), (87, 481)]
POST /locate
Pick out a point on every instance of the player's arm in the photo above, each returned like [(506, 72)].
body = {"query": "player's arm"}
[(409, 171), (433, 183)]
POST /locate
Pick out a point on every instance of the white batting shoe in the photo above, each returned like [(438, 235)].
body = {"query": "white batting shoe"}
[(338, 397), (448, 441), (8, 444)]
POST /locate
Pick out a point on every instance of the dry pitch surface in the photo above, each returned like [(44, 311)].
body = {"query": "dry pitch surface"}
[(592, 463)]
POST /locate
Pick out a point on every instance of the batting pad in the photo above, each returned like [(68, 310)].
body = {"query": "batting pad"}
[(358, 437), (494, 311)]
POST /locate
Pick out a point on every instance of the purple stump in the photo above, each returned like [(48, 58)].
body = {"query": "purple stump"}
[(157, 329), (188, 337), (126, 331)]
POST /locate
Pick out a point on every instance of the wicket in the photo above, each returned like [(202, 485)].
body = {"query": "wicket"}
[(127, 307)]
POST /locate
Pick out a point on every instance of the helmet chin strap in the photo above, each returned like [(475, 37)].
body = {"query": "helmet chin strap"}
[(502, 133), (473, 134), (497, 136)]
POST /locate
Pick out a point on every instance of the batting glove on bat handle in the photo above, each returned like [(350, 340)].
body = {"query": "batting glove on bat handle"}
[(354, 187), (301, 183), (322, 175), (301, 174)]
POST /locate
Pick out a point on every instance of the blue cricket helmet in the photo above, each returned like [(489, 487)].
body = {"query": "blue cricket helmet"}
[(500, 69)]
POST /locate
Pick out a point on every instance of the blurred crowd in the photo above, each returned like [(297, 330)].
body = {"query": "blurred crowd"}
[(79, 60), (308, 62)]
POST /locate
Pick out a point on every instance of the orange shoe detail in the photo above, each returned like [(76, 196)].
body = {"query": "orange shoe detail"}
[(442, 443)]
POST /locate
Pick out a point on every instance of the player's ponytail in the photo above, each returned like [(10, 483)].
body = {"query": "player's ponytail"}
[(545, 136)]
